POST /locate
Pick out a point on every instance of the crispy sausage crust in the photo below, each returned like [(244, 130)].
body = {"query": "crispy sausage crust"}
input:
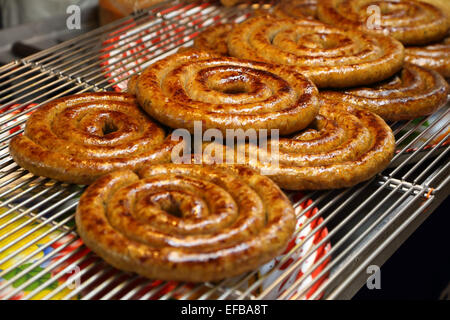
[(434, 56), (410, 22), (78, 138), (225, 93), (229, 3), (344, 146), (329, 56), (214, 39), (413, 93), (296, 9), (185, 222)]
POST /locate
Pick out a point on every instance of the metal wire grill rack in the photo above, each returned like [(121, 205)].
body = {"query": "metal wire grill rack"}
[(365, 224)]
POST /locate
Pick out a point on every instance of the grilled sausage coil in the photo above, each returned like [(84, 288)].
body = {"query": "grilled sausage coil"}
[(413, 93), (225, 93), (409, 21), (434, 56), (329, 56), (214, 39), (344, 146), (185, 222), (78, 138)]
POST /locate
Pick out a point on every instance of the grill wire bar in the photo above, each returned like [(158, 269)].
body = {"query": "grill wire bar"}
[(361, 232)]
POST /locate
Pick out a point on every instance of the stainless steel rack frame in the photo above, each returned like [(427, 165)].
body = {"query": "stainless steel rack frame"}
[(365, 224)]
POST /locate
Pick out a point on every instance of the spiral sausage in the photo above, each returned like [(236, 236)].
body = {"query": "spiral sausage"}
[(78, 138), (434, 56), (329, 56), (415, 92), (185, 222), (411, 22), (296, 9), (225, 93), (214, 39), (344, 146)]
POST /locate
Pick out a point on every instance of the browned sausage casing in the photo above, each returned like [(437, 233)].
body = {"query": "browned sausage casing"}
[(185, 222), (344, 146), (78, 138), (329, 56), (435, 56), (413, 93), (214, 39), (296, 9), (409, 21), (225, 93)]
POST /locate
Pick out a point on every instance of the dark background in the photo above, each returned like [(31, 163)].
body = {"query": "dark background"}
[(420, 268)]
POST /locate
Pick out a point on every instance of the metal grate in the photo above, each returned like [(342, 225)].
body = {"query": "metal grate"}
[(364, 224)]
